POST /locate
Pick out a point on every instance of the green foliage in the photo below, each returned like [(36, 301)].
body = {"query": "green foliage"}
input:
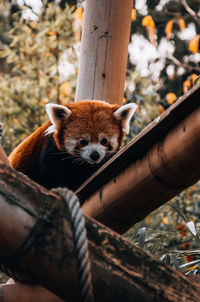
[(34, 57), (141, 91), (166, 232), (176, 22)]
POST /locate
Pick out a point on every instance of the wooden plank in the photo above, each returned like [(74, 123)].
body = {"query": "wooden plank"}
[(139, 146), (170, 166)]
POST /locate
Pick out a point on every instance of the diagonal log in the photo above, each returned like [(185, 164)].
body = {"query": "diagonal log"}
[(158, 164), (36, 240)]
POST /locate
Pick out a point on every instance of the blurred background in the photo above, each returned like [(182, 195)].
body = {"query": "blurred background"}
[(39, 50)]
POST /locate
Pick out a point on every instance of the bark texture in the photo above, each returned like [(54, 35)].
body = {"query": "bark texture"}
[(36, 240)]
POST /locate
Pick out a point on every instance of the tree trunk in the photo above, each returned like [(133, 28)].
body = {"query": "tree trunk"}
[(104, 50), (36, 240)]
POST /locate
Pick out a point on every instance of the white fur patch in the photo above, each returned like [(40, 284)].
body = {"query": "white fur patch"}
[(50, 129), (52, 109), (70, 145), (114, 143)]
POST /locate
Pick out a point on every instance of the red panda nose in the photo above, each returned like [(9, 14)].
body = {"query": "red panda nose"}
[(94, 155)]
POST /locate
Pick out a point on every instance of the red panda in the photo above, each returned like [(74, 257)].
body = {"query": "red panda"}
[(73, 144)]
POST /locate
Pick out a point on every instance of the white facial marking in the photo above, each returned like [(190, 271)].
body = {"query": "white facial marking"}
[(70, 145), (114, 143), (87, 151)]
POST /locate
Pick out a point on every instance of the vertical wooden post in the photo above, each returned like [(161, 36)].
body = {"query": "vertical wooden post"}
[(104, 50)]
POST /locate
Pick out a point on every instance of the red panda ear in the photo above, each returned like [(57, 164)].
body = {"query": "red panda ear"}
[(124, 114), (57, 113)]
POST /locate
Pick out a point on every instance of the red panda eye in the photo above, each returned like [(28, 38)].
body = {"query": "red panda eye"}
[(103, 141), (83, 142)]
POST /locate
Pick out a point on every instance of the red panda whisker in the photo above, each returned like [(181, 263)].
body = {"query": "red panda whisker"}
[(70, 156)]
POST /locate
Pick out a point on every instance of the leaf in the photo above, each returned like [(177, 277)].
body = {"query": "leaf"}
[(161, 109), (171, 98), (133, 14), (181, 24), (186, 86), (193, 78), (196, 80), (51, 33), (194, 44), (189, 263), (142, 235), (190, 268), (165, 220), (79, 14), (192, 228), (168, 28), (148, 22)]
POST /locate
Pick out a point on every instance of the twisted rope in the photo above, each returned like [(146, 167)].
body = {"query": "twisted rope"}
[(80, 243)]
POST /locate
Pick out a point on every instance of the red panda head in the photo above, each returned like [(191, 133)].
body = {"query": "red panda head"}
[(89, 130)]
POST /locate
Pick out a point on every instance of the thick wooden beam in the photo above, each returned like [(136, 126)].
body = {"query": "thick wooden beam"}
[(36, 240), (104, 50), (21, 292), (154, 167)]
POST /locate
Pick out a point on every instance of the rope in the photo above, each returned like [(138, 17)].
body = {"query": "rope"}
[(80, 243)]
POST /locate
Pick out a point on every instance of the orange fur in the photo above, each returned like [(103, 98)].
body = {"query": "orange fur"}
[(93, 118), (23, 157), (43, 155)]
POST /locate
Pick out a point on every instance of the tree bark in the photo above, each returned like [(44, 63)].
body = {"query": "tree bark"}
[(21, 292), (36, 240)]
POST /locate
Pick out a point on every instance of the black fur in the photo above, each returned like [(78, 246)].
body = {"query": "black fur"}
[(60, 169)]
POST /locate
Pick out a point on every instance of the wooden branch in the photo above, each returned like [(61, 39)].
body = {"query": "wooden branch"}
[(20, 292), (36, 240), (184, 65), (104, 50), (154, 167), (191, 12)]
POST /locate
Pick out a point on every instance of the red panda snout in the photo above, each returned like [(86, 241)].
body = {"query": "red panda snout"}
[(92, 152)]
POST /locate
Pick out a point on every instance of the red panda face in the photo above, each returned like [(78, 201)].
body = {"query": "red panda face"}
[(89, 130)]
